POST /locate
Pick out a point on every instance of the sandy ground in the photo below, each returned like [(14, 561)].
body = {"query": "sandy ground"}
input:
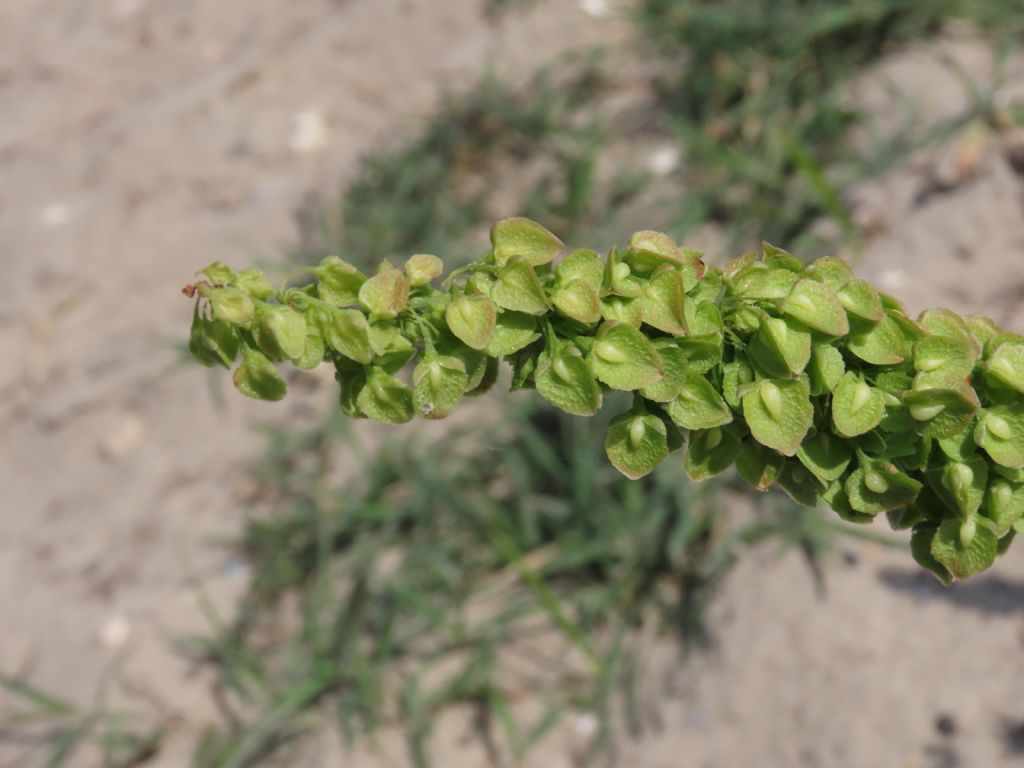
[(144, 139)]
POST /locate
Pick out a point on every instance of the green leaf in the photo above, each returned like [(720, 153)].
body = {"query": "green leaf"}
[(393, 357), (703, 318), (619, 278), (710, 452), (960, 485), (825, 457), (1006, 366), (953, 355), (351, 379), (814, 305), (583, 264), (439, 382), (1004, 503), (779, 349), (474, 361), (472, 319), (636, 442), (338, 283), (779, 413), (861, 302), (254, 283), (564, 380), (945, 322), (385, 294), (512, 332), (662, 301), (518, 288), (965, 548), (421, 268), (1000, 433), (735, 377), (921, 540), (759, 283), (942, 405), (878, 486), (689, 260), (488, 380), (960, 446), (620, 310), (279, 331), (385, 398), (799, 484), (835, 274), (218, 273), (623, 358), (836, 498), (232, 306), (882, 345), (347, 332), (698, 405), (213, 342), (779, 258), (674, 367), (856, 407), (578, 300), (825, 369), (758, 465), (257, 376), (519, 237), (313, 350), (982, 328)]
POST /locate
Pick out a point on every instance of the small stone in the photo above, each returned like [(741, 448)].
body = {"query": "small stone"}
[(598, 9), (55, 215), (122, 439), (309, 132), (115, 632), (663, 160), (585, 724)]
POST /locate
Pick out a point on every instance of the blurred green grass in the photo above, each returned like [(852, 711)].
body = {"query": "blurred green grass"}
[(414, 582), (381, 598)]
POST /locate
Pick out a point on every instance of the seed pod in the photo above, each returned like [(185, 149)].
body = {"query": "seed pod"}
[(564, 380), (636, 442), (524, 238), (257, 376), (472, 319), (779, 414), (422, 268), (338, 283), (438, 385), (279, 331), (232, 306), (385, 294), (623, 358), (254, 283), (518, 288)]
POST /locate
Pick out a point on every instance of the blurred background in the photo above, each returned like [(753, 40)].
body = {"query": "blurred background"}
[(189, 578)]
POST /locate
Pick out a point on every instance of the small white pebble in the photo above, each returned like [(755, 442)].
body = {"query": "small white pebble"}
[(115, 632), (56, 215), (309, 132), (122, 439), (586, 724), (663, 160), (892, 279), (598, 9)]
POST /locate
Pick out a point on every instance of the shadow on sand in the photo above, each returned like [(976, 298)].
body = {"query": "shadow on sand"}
[(989, 595)]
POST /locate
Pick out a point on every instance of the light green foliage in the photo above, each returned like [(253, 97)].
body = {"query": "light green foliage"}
[(802, 376)]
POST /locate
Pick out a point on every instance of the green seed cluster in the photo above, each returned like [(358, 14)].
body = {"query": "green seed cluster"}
[(800, 375)]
